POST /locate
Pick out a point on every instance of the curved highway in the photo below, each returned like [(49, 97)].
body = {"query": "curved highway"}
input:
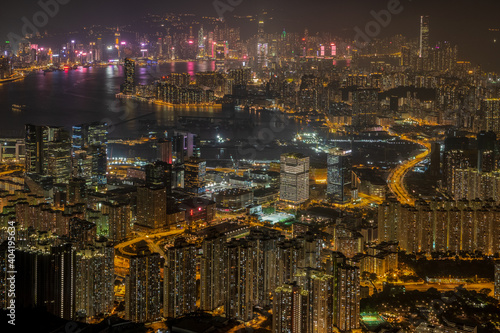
[(396, 178)]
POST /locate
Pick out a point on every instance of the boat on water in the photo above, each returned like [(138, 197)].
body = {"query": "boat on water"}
[(18, 107)]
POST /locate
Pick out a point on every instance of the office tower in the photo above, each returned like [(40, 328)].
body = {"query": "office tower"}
[(180, 292), (128, 86), (294, 178), (262, 46), (46, 278), (159, 174), (44, 145), (86, 135), (201, 44), (178, 176), (99, 157), (424, 37), (165, 150), (95, 279), (212, 272), (497, 280), (89, 154), (490, 115), (290, 309), (183, 146), (364, 107), (152, 206), (59, 161), (220, 56), (339, 175), (81, 163), (143, 287), (119, 219), (239, 279), (195, 175)]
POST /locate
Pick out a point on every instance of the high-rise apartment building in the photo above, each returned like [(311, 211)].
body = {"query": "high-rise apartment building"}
[(212, 272), (239, 283), (94, 285), (143, 287), (46, 278), (180, 292), (290, 309)]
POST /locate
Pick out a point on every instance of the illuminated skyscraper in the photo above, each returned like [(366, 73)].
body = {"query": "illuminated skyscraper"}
[(195, 175), (95, 279), (46, 278), (220, 56), (143, 287), (294, 178), (290, 309), (240, 269), (180, 279), (99, 164), (48, 152), (159, 174), (212, 272), (128, 86), (347, 298), (117, 41), (339, 175), (424, 37), (201, 44)]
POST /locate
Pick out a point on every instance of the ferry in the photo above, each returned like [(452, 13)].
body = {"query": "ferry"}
[(18, 108)]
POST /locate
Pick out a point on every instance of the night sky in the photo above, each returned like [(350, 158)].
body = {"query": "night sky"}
[(460, 21)]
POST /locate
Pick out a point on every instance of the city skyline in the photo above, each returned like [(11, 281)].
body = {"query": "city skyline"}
[(236, 166)]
